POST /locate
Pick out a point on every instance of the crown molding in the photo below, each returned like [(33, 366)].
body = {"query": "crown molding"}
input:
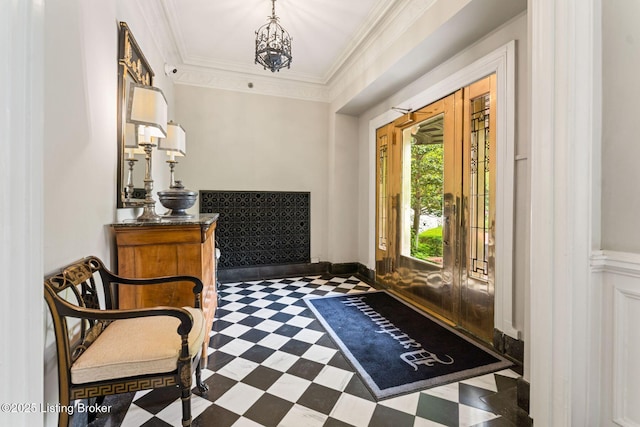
[(163, 11), (378, 14), (384, 25), (249, 69), (241, 82), (397, 18), (170, 30), (394, 25), (157, 21)]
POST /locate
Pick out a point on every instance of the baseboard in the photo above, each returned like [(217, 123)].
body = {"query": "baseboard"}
[(366, 274), (523, 394), (343, 268), (243, 274), (508, 346)]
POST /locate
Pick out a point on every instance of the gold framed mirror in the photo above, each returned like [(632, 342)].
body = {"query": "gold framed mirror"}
[(132, 67)]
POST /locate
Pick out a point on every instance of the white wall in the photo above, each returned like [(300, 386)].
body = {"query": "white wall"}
[(79, 128), (245, 142), (342, 172), (80, 149), (21, 141), (80, 132), (620, 143), (618, 266), (80, 124)]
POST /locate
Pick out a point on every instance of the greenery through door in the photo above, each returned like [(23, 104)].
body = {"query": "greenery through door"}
[(427, 189)]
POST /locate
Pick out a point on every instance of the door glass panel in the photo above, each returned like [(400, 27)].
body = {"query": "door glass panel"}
[(479, 188), (383, 156), (423, 190)]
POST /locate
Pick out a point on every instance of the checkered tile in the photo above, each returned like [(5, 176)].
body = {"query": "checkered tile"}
[(271, 363)]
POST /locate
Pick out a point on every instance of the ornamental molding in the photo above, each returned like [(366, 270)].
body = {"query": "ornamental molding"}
[(391, 28), (250, 83), (624, 263), (386, 27)]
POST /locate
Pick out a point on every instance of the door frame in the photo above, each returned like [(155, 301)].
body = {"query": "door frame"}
[(501, 62)]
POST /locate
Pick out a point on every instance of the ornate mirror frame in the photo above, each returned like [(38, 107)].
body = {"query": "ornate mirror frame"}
[(132, 67)]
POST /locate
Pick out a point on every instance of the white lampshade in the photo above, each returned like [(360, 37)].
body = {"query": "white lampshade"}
[(147, 108), (176, 141)]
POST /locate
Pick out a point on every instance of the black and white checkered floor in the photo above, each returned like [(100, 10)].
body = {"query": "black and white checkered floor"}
[(271, 364)]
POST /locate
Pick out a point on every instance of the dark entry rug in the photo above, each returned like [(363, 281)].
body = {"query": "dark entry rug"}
[(398, 349)]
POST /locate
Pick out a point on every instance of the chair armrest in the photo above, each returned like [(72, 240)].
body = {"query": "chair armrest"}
[(197, 288), (112, 278)]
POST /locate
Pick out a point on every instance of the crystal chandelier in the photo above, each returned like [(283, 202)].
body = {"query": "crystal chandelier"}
[(273, 44)]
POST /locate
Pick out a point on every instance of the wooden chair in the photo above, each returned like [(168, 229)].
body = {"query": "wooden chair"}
[(103, 350)]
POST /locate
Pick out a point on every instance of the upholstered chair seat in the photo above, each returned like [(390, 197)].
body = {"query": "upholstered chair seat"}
[(138, 346)]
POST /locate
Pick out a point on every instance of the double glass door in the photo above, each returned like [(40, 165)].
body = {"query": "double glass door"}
[(435, 207)]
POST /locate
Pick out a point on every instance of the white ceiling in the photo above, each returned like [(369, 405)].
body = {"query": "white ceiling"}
[(220, 34), (211, 42)]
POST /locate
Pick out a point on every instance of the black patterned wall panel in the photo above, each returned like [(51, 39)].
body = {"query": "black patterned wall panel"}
[(260, 227)]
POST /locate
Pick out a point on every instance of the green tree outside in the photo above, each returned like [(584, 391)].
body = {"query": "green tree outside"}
[(427, 185)]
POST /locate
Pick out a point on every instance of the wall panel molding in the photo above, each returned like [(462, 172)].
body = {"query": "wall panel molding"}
[(619, 274), (616, 262), (626, 354)]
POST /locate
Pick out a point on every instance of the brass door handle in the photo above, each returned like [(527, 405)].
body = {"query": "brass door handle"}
[(446, 226)]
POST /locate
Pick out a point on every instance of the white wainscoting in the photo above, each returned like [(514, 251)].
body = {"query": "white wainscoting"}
[(620, 368)]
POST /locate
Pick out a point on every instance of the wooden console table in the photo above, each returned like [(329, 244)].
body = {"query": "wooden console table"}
[(166, 248)]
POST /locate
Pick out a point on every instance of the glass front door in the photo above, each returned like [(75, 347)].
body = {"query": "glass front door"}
[(435, 207)]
